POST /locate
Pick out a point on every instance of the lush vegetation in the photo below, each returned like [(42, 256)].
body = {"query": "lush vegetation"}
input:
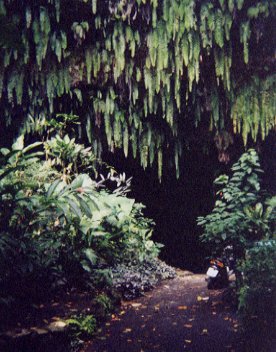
[(244, 219), (61, 229), (142, 74), (148, 77)]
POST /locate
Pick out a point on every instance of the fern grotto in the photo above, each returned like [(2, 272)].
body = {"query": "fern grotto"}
[(141, 74)]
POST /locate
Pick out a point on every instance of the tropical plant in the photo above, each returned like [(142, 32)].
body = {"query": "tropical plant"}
[(63, 231), (82, 325), (244, 219), (243, 214), (70, 156)]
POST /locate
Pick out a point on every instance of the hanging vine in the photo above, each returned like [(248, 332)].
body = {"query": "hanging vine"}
[(140, 69)]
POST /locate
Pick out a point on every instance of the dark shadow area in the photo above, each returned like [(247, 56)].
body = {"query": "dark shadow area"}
[(175, 204)]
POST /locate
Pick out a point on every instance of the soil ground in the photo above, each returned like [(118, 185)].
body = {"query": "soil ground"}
[(179, 315)]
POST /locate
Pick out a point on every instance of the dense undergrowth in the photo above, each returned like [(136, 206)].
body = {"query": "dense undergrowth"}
[(63, 226), (243, 220)]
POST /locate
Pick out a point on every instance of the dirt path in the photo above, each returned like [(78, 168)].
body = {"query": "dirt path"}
[(179, 315)]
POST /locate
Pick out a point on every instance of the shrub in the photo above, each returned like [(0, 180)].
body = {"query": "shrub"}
[(63, 229), (243, 214), (258, 292), (244, 219)]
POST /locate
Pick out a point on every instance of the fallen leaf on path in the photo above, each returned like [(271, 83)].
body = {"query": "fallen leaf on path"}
[(204, 332), (182, 307), (200, 298), (127, 330), (115, 319), (122, 312), (189, 326), (188, 341)]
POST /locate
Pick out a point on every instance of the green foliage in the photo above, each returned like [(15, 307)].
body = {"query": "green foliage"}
[(239, 191), (82, 325), (257, 295), (240, 216), (244, 218), (253, 112), (39, 226), (130, 232), (104, 305), (62, 228), (193, 62), (69, 155)]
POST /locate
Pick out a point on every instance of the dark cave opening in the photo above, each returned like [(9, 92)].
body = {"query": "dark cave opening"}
[(174, 204)]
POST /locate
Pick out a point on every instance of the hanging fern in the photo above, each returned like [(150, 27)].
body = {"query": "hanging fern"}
[(130, 64)]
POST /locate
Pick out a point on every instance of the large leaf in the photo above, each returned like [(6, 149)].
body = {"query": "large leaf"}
[(56, 185), (74, 206), (91, 255), (84, 206), (82, 181), (122, 204), (31, 146), (19, 143)]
